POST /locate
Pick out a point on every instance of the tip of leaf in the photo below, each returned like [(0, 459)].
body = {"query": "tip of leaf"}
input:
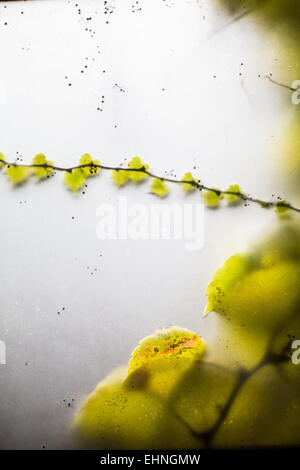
[(207, 310)]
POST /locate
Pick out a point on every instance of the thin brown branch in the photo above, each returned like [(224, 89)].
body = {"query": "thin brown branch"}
[(280, 84), (195, 183)]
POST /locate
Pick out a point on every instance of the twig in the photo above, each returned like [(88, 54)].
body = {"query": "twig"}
[(280, 84), (195, 183)]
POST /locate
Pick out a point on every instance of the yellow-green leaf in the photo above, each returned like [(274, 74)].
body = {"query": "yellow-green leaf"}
[(232, 199), (166, 343), (75, 179), (120, 177), (211, 198), (186, 186), (159, 187), (261, 289), (2, 159), (86, 159), (224, 279), (135, 402), (39, 172), (282, 211), (137, 176), (17, 174), (117, 417)]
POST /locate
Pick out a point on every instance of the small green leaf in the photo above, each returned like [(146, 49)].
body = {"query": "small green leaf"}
[(283, 213), (137, 176), (17, 174), (188, 187), (120, 177), (281, 207), (159, 187), (2, 157), (75, 179), (166, 343), (41, 173), (232, 199), (86, 159), (211, 198)]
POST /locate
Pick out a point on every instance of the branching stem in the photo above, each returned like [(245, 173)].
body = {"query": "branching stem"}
[(243, 376)]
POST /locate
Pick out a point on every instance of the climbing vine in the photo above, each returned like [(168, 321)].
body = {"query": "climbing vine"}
[(136, 172)]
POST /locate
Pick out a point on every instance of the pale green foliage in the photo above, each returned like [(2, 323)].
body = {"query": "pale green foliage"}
[(165, 343), (118, 417), (41, 173), (280, 209), (86, 159), (266, 412), (120, 177), (134, 403), (234, 269), (232, 199), (283, 212), (174, 396), (137, 176), (259, 290), (75, 179), (257, 295), (211, 198), (159, 187), (203, 391), (17, 174), (188, 187)]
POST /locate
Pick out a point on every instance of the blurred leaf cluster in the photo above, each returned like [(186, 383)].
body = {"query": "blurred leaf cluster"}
[(176, 394)]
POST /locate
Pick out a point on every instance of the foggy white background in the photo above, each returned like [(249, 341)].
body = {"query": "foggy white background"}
[(185, 104)]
